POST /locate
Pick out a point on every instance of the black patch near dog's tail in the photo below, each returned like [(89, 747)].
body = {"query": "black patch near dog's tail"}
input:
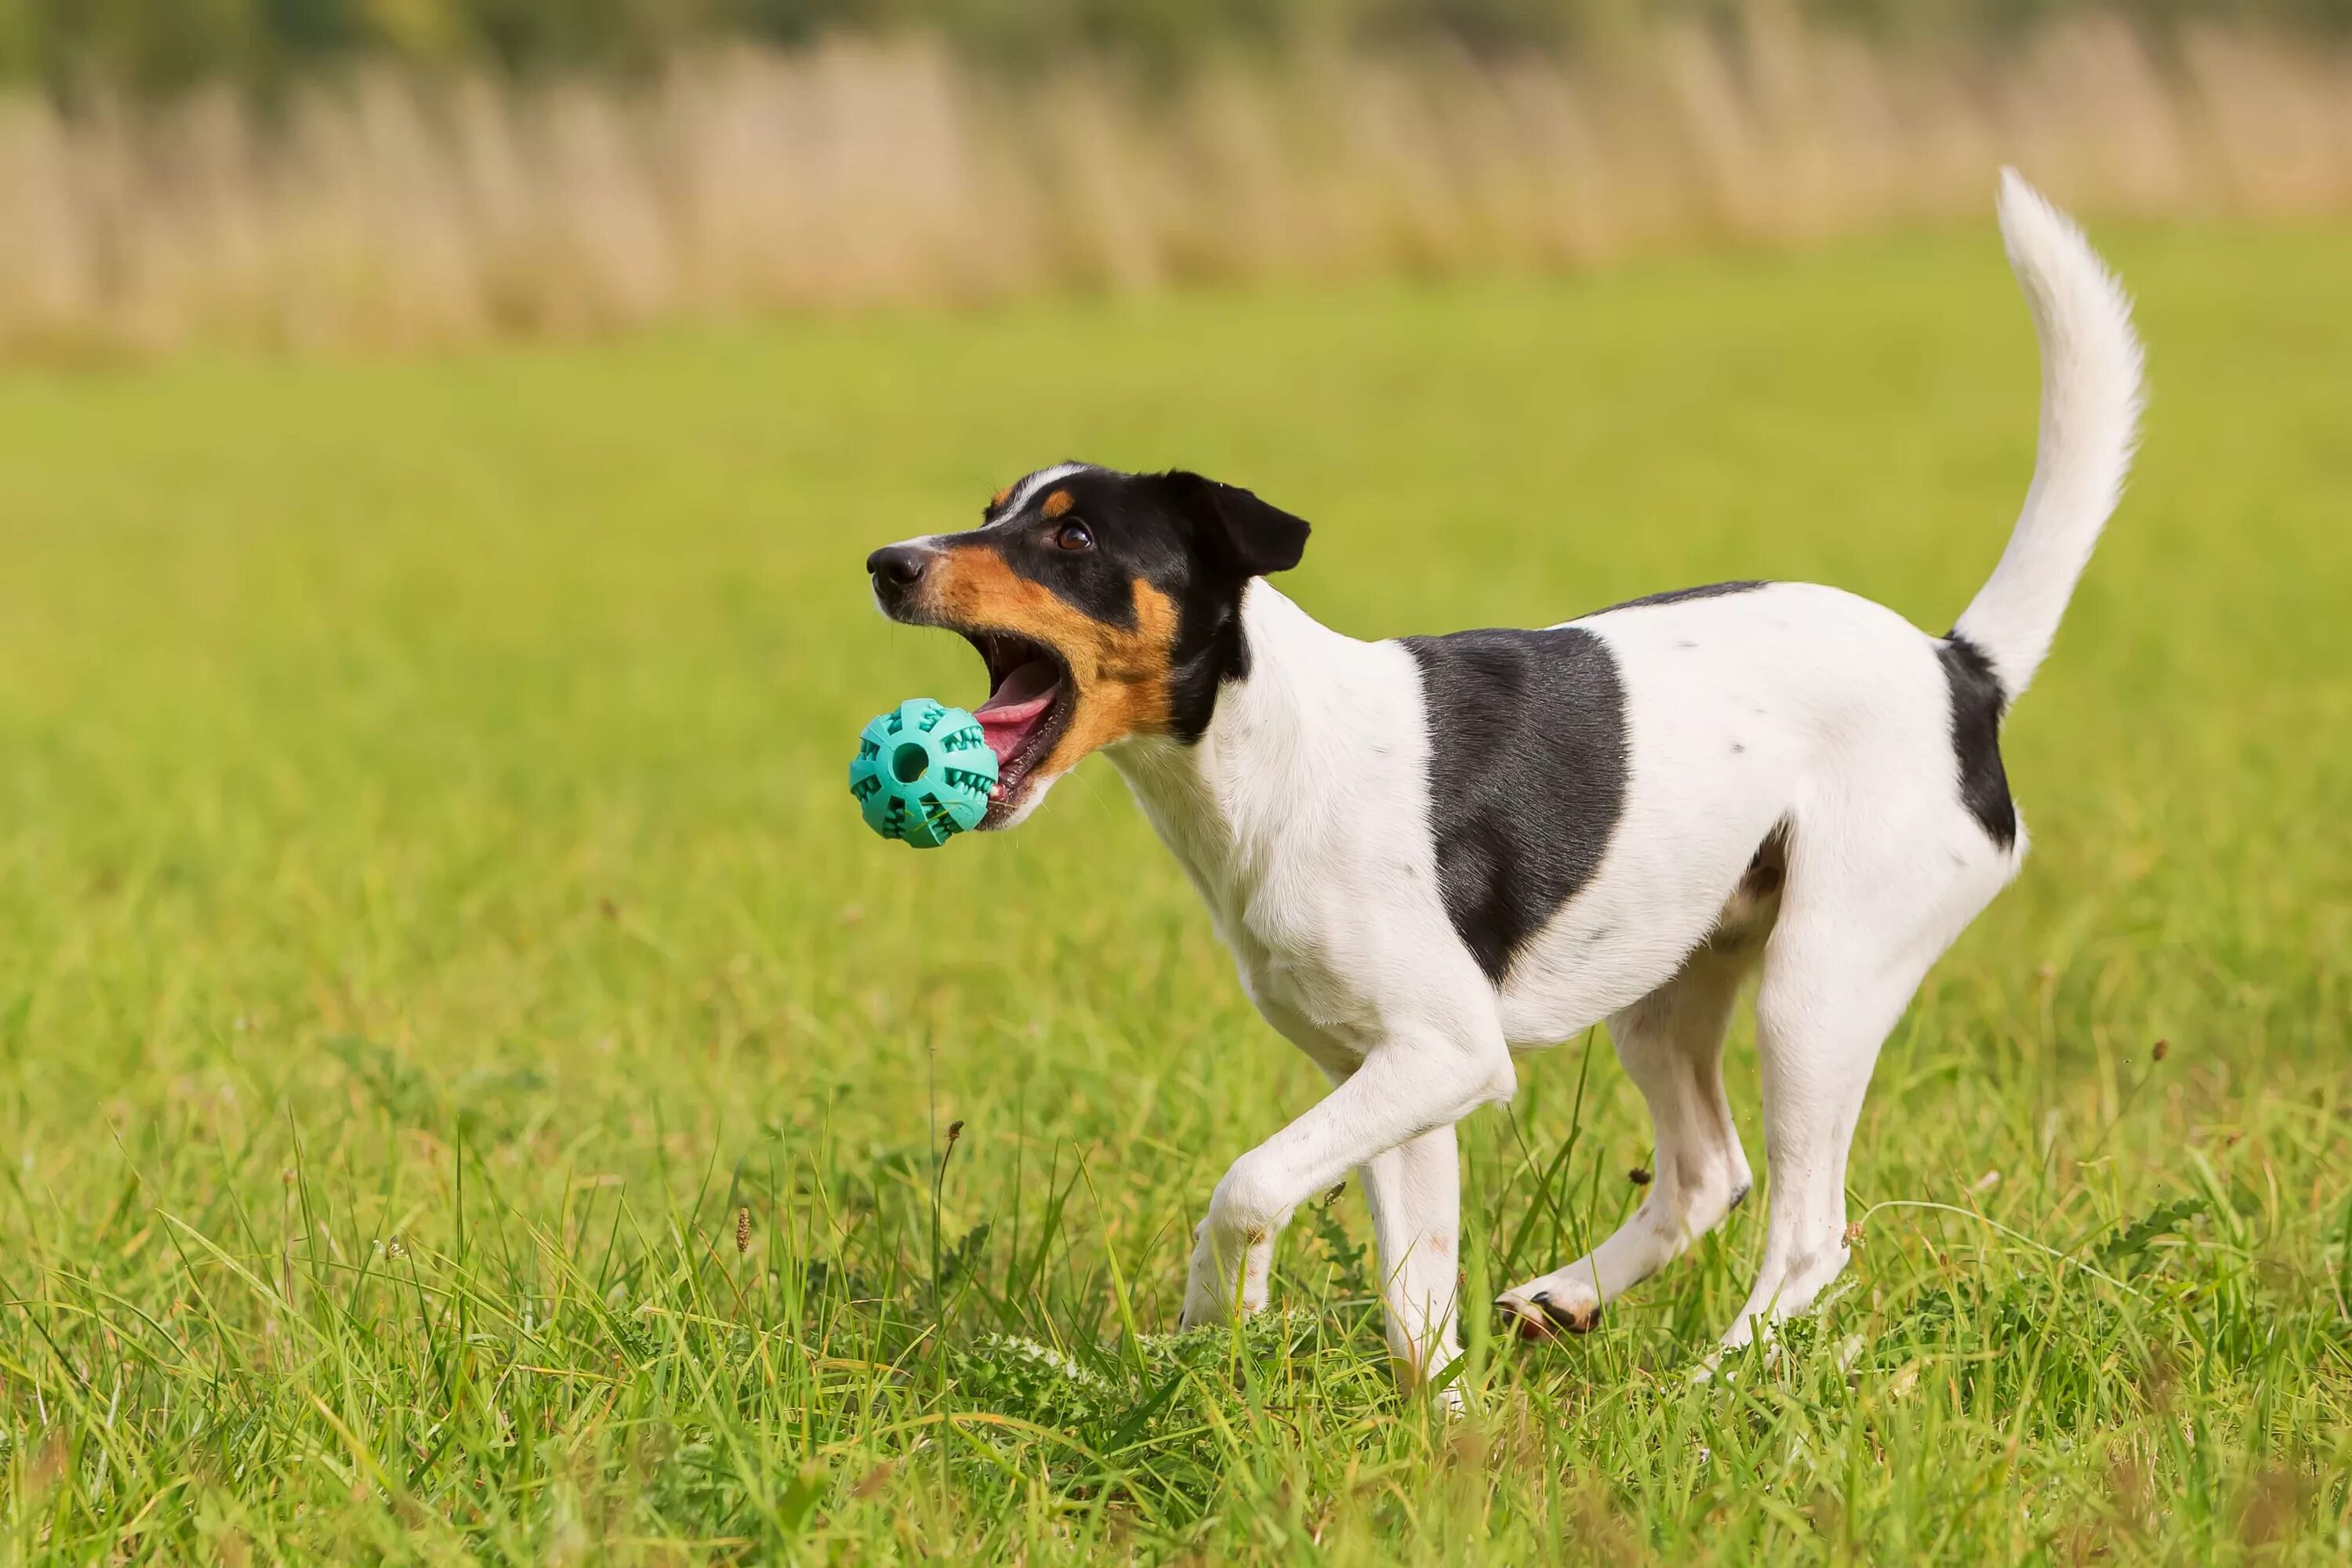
[(1978, 703)]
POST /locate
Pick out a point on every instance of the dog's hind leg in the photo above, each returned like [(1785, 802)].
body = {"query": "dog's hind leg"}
[(1868, 913), (1818, 1028), (1672, 1045)]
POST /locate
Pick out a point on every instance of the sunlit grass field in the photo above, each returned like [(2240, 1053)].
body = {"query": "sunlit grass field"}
[(474, 1092)]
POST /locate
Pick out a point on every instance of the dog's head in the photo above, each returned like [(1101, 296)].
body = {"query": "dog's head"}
[(1105, 604)]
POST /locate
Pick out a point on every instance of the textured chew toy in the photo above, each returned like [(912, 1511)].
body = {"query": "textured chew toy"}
[(923, 772)]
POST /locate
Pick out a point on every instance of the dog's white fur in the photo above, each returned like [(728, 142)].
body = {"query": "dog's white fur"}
[(1302, 815)]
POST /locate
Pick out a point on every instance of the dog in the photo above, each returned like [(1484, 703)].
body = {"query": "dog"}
[(1430, 854)]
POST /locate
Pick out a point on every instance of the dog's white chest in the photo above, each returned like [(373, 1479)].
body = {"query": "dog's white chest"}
[(1281, 905), (1310, 954), (1304, 825)]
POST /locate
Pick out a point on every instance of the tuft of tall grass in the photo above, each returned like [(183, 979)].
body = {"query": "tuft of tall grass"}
[(390, 208)]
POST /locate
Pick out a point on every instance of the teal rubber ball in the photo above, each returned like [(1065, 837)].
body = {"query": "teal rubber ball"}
[(923, 772)]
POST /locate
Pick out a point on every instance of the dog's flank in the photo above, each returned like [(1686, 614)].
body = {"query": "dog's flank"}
[(1429, 854)]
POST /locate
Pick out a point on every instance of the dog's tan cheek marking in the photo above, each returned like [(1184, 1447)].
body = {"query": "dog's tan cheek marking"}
[(1056, 504), (1124, 682), (1122, 672), (999, 497), (977, 588)]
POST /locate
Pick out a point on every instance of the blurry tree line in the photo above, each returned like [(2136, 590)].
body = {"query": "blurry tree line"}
[(158, 45)]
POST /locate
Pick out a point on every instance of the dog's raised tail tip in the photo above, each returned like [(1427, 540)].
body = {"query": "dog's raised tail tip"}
[(2023, 210), (2090, 412)]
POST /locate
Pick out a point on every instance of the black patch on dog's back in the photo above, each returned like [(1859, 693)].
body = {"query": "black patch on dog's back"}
[(1676, 595), (1526, 776), (1977, 704)]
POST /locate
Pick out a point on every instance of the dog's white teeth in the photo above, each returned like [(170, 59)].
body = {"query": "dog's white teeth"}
[(996, 792)]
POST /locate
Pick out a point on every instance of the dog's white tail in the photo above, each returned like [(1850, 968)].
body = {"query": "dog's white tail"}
[(2090, 411)]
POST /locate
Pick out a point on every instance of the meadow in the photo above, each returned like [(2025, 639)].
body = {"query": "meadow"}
[(473, 1092)]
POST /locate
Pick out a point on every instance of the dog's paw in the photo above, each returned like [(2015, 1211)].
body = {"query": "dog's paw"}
[(1548, 1311), (1202, 1308)]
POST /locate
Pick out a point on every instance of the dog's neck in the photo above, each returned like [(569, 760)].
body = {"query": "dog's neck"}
[(1272, 733)]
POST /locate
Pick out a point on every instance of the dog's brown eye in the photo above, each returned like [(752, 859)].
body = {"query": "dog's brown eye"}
[(1073, 536)]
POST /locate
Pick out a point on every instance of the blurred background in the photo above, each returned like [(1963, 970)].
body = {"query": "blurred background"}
[(416, 172)]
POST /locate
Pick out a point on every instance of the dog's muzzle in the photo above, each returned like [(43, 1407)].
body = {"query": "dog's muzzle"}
[(897, 571)]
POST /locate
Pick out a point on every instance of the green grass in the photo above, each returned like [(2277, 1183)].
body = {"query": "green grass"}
[(430, 908)]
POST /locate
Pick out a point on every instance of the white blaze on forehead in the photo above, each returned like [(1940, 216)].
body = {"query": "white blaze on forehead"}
[(1020, 495)]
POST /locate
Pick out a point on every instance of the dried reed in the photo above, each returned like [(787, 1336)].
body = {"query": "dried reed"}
[(384, 208)]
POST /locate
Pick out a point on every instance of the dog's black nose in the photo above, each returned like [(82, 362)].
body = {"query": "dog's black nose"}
[(896, 566)]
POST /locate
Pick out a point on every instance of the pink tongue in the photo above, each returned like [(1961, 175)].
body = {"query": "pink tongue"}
[(1013, 709)]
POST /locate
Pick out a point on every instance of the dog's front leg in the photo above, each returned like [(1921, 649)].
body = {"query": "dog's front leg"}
[(1414, 1192), (1412, 1084)]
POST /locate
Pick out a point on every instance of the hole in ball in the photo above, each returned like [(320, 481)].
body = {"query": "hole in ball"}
[(908, 761)]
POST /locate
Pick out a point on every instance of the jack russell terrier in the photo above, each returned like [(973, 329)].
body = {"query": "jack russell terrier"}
[(1429, 854)]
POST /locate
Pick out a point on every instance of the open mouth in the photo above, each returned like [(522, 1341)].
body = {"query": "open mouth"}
[(1028, 707)]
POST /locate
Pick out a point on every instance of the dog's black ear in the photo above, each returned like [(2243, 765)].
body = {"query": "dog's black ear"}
[(1247, 534)]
